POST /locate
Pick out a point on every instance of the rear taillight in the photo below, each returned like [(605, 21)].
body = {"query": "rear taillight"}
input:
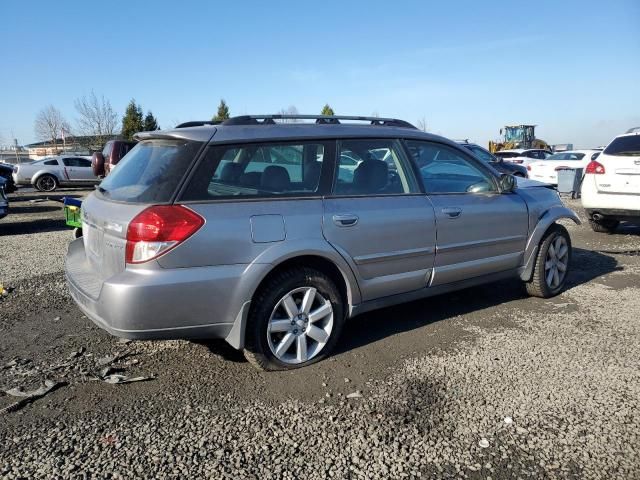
[(158, 229), (529, 168), (595, 167)]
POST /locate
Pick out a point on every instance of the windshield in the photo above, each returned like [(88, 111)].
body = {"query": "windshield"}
[(628, 146), (150, 172)]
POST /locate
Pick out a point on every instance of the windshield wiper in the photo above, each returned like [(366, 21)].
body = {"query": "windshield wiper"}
[(102, 190)]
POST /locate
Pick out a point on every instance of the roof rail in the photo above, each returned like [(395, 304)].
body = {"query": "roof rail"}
[(198, 123), (320, 119)]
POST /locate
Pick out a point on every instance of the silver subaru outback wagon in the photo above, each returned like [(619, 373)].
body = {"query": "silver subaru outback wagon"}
[(270, 235)]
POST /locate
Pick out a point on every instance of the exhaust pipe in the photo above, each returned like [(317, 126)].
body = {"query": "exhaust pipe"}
[(597, 217)]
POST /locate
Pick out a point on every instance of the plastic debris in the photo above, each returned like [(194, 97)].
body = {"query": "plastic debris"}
[(77, 353), (109, 359), (28, 397), (483, 443), (521, 431), (508, 420), (119, 378), (355, 394)]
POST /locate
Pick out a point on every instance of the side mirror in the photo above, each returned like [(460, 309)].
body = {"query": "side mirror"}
[(508, 183)]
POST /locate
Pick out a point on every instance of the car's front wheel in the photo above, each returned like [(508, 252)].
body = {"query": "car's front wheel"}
[(552, 263), (47, 183), (295, 320)]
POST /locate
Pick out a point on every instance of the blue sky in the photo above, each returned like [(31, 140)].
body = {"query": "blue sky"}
[(467, 67)]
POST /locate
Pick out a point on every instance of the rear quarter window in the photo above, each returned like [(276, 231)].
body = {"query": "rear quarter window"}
[(628, 146), (150, 172)]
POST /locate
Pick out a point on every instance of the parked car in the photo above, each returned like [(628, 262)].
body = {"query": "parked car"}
[(523, 156), (496, 162), (547, 170), (197, 235), (113, 151), (4, 201), (6, 172), (611, 185), (53, 172)]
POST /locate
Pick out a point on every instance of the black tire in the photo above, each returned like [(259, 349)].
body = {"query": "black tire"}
[(538, 286), (257, 350), (46, 183), (603, 226)]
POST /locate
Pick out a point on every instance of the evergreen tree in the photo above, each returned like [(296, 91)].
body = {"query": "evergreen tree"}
[(223, 112), (327, 110), (132, 120), (150, 123)]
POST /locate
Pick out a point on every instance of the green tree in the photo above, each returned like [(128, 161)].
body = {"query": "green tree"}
[(132, 120), (150, 123), (327, 110), (223, 111)]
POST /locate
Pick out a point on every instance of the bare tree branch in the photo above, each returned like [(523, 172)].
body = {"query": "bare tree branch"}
[(422, 124), (96, 118), (49, 124)]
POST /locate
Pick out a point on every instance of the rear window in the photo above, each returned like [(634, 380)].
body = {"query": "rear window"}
[(151, 171), (258, 170), (628, 146), (566, 156), (507, 154)]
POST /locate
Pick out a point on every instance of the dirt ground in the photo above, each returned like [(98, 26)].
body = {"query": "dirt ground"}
[(552, 386)]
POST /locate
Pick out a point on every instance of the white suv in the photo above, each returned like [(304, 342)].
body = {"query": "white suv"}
[(611, 185)]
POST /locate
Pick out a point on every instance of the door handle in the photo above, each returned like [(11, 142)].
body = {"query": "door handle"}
[(452, 212), (346, 220)]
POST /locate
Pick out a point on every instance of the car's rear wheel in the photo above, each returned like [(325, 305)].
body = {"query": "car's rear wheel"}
[(47, 183), (552, 263), (295, 320), (603, 226)]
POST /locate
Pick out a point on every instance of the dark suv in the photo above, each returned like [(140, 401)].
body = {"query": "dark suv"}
[(496, 162)]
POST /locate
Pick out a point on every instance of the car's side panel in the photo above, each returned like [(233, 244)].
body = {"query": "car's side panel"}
[(390, 243), (487, 235)]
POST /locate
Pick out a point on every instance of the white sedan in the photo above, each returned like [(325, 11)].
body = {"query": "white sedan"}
[(547, 170)]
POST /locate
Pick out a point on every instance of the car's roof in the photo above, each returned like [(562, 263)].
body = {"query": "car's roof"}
[(236, 133), (629, 134)]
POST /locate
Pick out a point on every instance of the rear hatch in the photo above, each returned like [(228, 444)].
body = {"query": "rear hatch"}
[(149, 175), (621, 160)]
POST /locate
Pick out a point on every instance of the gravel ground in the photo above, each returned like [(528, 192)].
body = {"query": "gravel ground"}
[(483, 383)]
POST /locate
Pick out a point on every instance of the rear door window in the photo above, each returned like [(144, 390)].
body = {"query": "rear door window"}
[(51, 162), (151, 172), (373, 167), (258, 170), (628, 146)]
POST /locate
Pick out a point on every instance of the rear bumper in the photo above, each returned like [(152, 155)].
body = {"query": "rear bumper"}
[(188, 303), (614, 213)]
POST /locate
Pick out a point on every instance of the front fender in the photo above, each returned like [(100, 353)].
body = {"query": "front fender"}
[(548, 218)]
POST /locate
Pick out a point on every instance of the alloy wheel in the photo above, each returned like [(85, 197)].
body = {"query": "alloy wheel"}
[(300, 325), (555, 265)]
